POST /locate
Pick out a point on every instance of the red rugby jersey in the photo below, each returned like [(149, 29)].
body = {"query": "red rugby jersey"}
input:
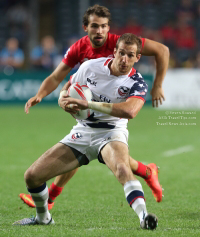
[(82, 50)]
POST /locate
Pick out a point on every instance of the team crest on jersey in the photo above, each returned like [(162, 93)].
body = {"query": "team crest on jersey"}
[(77, 135), (123, 91)]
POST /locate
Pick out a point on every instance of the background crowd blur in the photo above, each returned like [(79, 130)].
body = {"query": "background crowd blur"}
[(34, 34)]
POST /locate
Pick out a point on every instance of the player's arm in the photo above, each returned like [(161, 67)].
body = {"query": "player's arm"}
[(66, 86), (161, 54), (128, 109), (81, 77), (63, 92), (49, 85)]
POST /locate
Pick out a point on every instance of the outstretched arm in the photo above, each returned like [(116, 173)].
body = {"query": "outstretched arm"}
[(161, 54), (49, 85)]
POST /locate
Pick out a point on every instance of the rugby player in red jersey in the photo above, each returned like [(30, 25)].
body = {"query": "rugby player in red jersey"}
[(100, 43)]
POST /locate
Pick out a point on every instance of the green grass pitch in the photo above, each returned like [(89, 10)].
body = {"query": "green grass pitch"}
[(93, 202)]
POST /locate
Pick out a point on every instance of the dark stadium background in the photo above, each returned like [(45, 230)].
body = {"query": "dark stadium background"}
[(93, 202), (174, 23)]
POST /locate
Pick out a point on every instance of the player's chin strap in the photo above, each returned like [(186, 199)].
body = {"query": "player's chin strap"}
[(105, 108)]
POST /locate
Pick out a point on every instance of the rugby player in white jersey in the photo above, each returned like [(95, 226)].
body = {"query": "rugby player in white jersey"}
[(100, 43), (106, 139)]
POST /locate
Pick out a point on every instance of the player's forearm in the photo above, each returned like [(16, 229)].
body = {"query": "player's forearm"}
[(47, 86), (161, 55), (120, 110), (52, 81), (66, 86), (162, 62)]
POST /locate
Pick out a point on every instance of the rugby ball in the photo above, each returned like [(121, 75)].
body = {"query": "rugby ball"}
[(81, 92)]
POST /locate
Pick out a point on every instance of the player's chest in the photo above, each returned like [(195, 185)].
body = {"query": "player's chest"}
[(108, 89)]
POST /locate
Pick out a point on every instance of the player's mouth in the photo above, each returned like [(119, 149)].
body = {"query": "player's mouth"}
[(123, 66), (98, 38)]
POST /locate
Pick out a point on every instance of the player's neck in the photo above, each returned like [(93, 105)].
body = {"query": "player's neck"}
[(96, 47), (113, 70)]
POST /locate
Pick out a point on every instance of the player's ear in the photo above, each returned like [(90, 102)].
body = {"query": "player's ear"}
[(85, 28), (114, 53), (138, 57)]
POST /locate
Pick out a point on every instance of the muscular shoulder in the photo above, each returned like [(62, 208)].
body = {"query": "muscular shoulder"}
[(137, 76), (75, 53), (139, 81), (82, 43)]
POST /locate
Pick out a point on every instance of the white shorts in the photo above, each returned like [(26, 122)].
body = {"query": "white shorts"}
[(89, 141)]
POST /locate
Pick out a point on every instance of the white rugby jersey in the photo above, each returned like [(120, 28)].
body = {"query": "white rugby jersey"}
[(108, 88)]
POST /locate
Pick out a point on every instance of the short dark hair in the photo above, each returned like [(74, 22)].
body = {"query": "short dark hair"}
[(130, 39), (98, 10)]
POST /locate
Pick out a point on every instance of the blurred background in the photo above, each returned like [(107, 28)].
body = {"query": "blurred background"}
[(35, 34)]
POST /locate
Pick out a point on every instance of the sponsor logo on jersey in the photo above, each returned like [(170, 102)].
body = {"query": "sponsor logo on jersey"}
[(77, 135), (94, 83), (123, 91), (104, 99)]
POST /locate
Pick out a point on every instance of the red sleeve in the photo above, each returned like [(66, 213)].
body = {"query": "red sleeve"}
[(143, 42), (71, 57)]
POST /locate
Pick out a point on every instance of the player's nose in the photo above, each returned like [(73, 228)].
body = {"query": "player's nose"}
[(124, 58), (99, 30)]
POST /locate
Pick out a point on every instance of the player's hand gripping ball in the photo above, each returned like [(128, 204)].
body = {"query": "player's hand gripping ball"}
[(82, 92)]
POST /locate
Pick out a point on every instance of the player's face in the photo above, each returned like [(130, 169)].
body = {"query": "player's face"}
[(97, 30), (125, 57)]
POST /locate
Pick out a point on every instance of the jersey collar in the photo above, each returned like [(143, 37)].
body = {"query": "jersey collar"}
[(132, 72), (106, 63)]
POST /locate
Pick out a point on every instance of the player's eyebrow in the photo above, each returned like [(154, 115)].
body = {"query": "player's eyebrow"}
[(123, 50), (95, 24)]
